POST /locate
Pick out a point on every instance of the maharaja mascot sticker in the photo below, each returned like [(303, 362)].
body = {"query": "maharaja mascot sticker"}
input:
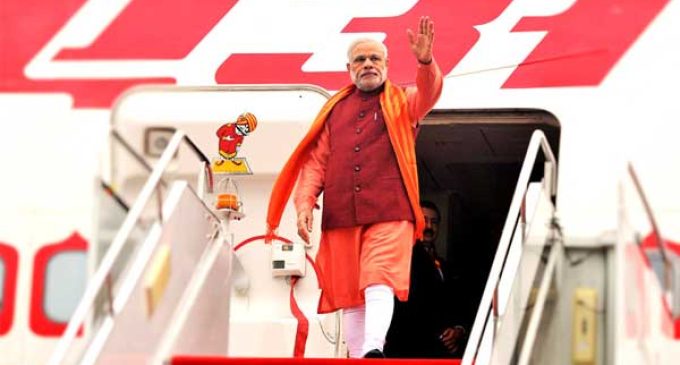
[(231, 136)]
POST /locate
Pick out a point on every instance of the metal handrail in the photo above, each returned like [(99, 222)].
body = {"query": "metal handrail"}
[(118, 138), (108, 189), (142, 161), (102, 275), (206, 163), (661, 242), (537, 311), (489, 299)]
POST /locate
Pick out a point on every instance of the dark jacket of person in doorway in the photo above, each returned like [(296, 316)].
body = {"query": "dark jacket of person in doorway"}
[(426, 326)]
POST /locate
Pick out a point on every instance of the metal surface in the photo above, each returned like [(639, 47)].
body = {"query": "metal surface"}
[(190, 300), (538, 141), (118, 138), (80, 315), (667, 282), (537, 311), (521, 274)]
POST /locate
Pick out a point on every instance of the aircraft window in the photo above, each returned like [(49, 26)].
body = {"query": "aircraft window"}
[(8, 277), (60, 299)]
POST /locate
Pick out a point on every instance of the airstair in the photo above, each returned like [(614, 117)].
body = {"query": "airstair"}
[(610, 300), (522, 272), (162, 286), (169, 286)]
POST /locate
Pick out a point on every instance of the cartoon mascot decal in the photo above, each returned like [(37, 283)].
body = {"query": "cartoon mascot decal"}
[(231, 137)]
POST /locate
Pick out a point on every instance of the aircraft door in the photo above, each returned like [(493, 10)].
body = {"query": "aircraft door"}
[(247, 132), (468, 165)]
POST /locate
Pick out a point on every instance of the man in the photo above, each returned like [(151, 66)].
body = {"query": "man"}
[(360, 153), (427, 325)]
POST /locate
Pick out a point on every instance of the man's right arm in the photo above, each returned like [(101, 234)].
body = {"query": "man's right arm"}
[(310, 184)]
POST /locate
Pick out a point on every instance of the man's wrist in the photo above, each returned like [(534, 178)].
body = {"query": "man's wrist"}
[(305, 204), (304, 209)]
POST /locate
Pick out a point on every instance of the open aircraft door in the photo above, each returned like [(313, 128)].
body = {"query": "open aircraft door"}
[(166, 129), (146, 117)]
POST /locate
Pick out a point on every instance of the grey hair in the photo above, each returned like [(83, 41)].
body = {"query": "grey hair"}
[(359, 41)]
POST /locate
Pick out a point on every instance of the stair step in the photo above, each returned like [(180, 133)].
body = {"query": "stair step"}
[(214, 360)]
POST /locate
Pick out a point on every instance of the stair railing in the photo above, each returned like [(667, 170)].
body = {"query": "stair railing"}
[(489, 303), (102, 276), (668, 275), (661, 243)]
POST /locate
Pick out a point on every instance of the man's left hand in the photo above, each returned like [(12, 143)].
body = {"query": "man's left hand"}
[(451, 338), (421, 42)]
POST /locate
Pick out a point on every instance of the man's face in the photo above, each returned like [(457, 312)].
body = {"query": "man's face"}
[(431, 225), (367, 66)]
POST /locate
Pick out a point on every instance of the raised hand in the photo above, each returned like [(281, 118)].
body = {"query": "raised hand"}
[(421, 43)]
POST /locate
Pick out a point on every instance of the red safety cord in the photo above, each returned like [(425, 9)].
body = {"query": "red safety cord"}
[(303, 324)]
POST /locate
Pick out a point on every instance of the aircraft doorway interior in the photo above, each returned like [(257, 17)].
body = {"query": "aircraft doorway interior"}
[(468, 165)]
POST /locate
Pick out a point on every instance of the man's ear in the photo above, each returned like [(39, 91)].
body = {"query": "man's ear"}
[(387, 62), (347, 64)]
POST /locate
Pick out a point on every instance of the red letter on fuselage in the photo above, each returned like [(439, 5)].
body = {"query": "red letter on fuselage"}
[(455, 36), (583, 43)]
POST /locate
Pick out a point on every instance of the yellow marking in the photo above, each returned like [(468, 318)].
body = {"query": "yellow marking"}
[(237, 166), (584, 327), (156, 278)]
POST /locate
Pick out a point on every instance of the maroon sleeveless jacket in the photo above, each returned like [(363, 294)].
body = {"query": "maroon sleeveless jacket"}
[(362, 184)]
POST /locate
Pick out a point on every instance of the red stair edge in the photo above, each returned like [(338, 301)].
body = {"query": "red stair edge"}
[(216, 360)]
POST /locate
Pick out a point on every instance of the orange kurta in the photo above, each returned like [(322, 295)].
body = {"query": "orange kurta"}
[(350, 259)]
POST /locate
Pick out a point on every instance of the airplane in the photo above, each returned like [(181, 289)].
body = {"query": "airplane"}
[(569, 250)]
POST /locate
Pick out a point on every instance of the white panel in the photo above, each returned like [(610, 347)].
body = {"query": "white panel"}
[(521, 284), (283, 117), (187, 232)]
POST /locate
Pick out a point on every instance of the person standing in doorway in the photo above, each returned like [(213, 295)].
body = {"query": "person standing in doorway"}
[(428, 324), (360, 152)]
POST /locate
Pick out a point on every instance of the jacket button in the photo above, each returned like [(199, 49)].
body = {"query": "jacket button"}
[(362, 114), (357, 188), (357, 148), (358, 130), (357, 168)]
